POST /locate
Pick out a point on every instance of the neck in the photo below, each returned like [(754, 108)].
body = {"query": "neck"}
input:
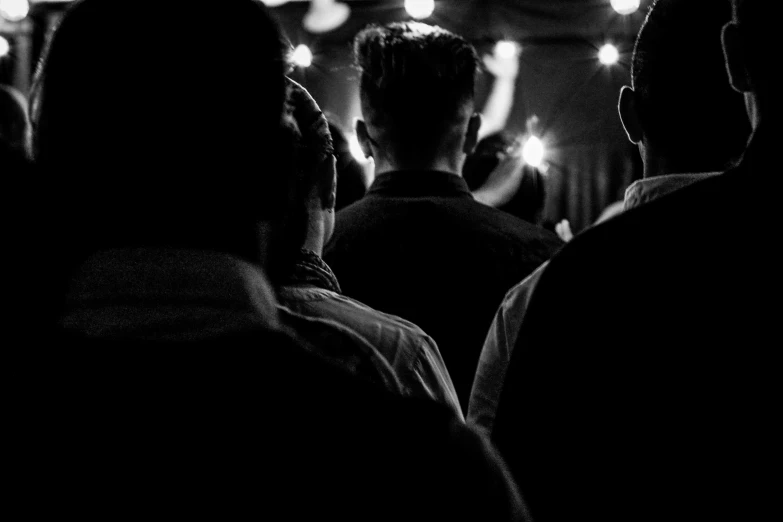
[(654, 167), (660, 165), (444, 163), (440, 166)]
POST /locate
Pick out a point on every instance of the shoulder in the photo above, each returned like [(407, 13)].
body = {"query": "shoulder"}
[(513, 228), (366, 315)]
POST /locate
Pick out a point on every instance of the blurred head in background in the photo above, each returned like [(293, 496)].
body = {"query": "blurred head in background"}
[(528, 201), (681, 110), (417, 95)]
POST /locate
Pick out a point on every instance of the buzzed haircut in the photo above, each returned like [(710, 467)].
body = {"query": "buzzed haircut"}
[(417, 82), (686, 104)]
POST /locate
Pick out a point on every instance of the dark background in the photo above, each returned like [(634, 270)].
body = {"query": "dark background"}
[(560, 81)]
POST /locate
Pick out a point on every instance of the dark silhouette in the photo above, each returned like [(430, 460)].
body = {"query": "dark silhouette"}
[(643, 379), (659, 66), (702, 130), (169, 387), (527, 202)]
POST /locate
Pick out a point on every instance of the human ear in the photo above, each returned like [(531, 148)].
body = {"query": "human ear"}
[(629, 115)]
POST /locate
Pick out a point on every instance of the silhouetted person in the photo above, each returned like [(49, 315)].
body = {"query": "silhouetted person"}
[(311, 300), (418, 245), (712, 133), (644, 378), (523, 195), (171, 388)]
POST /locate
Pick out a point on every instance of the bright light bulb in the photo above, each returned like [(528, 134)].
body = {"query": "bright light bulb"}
[(275, 3), (608, 55), (533, 152), (506, 49), (626, 7), (14, 10), (419, 9), (302, 56), (5, 47)]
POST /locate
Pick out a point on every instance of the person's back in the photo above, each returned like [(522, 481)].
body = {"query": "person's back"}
[(122, 428), (704, 142), (163, 383), (418, 245), (660, 404)]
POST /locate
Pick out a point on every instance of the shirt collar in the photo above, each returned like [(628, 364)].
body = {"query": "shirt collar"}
[(311, 270), (168, 294), (420, 184), (648, 189)]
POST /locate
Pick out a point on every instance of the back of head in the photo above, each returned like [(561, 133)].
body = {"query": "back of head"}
[(487, 156), (417, 87), (688, 111), (156, 125), (14, 125), (529, 199)]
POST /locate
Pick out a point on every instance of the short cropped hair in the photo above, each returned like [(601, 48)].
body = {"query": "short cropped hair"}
[(417, 82), (686, 105)]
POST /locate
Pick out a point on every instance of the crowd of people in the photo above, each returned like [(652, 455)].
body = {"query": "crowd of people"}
[(203, 330)]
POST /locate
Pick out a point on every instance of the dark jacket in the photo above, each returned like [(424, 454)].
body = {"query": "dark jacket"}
[(645, 375), (171, 390), (242, 426), (420, 247)]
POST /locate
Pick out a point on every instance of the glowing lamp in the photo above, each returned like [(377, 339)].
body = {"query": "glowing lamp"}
[(5, 47), (506, 49), (608, 55), (533, 152), (626, 7), (325, 16), (420, 9), (14, 10), (302, 56)]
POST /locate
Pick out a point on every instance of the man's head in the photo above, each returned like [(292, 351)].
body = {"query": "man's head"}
[(528, 201), (417, 89), (160, 129), (14, 125), (752, 47), (681, 110)]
